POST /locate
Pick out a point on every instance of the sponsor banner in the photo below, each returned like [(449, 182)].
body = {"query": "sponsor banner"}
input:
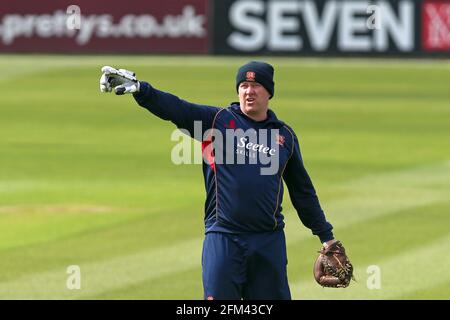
[(332, 27), (170, 26), (436, 26)]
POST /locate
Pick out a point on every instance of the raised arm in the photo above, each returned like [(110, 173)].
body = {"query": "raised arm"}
[(169, 107), (162, 104)]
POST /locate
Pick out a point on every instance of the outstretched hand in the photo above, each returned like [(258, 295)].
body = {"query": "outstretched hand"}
[(120, 80)]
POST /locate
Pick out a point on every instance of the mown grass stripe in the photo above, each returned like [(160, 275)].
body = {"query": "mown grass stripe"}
[(106, 275), (63, 61), (130, 269), (420, 268), (358, 117), (376, 195)]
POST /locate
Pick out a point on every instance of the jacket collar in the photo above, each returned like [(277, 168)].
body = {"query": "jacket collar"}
[(270, 120)]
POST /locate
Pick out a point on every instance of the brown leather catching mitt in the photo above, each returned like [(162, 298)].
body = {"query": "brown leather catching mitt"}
[(332, 267)]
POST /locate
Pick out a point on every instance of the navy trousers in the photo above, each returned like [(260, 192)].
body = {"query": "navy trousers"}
[(245, 266)]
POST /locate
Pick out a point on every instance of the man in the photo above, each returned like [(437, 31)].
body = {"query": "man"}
[(244, 250)]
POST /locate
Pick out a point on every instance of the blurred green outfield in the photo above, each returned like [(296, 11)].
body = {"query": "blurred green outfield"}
[(86, 178)]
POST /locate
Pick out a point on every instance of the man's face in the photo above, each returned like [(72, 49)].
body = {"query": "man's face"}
[(253, 98)]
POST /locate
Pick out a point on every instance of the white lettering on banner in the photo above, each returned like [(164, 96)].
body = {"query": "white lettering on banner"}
[(240, 18), (187, 24), (401, 29), (350, 24), (323, 29), (281, 22)]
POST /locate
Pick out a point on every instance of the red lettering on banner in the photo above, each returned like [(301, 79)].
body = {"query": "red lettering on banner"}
[(436, 26)]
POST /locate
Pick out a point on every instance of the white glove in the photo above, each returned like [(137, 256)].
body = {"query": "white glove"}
[(121, 80)]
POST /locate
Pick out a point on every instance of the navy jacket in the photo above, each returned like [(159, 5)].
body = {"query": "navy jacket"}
[(238, 198)]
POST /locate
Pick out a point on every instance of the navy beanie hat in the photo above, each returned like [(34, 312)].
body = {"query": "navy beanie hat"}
[(257, 71)]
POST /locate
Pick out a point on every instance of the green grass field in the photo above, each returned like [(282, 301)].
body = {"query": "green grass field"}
[(86, 178)]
